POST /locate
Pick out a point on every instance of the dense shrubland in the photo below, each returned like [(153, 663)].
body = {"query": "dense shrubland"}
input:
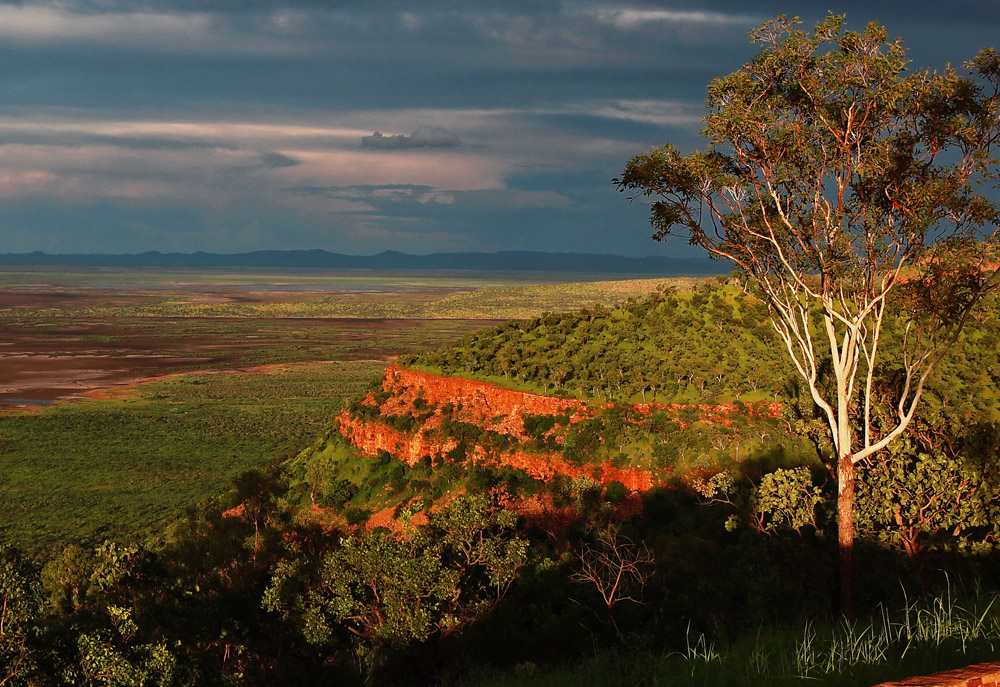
[(709, 344)]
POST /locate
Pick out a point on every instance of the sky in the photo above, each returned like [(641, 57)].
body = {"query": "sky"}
[(357, 127)]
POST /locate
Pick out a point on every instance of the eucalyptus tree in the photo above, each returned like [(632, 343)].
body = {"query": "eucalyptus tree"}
[(852, 193)]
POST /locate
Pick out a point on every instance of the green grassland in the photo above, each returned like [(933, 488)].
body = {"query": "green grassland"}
[(455, 298), (124, 464)]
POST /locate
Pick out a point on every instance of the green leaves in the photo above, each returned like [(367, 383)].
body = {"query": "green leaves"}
[(827, 148), (931, 498), (21, 609), (788, 498), (106, 657), (391, 590), (782, 500)]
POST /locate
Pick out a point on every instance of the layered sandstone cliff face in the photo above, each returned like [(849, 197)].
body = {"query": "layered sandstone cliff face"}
[(499, 411), (482, 401), (372, 437)]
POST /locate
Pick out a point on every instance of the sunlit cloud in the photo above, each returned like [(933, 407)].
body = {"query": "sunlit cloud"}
[(660, 112), (410, 20), (48, 23), (78, 156), (23, 182), (630, 18), (436, 169), (215, 130), (33, 22), (90, 173)]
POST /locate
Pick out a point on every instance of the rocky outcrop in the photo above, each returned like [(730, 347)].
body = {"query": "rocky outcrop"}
[(979, 675), (372, 437), (500, 410), (487, 404), (488, 400)]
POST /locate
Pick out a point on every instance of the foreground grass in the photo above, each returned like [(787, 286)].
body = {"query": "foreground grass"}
[(923, 638)]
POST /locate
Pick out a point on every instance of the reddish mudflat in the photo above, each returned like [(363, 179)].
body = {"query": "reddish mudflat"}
[(31, 380), (41, 365), (64, 334)]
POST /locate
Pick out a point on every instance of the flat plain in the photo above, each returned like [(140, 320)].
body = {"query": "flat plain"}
[(128, 396)]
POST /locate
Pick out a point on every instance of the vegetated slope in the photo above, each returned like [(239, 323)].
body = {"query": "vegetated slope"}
[(260, 587), (711, 344), (616, 400), (668, 431), (417, 414)]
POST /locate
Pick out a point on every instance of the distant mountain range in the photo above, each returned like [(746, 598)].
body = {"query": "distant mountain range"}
[(507, 261)]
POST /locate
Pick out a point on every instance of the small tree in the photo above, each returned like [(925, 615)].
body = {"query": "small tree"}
[(388, 591), (617, 569), (837, 180)]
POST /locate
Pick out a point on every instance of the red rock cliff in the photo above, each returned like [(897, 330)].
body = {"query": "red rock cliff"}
[(482, 401), (501, 410), (372, 437), (490, 399)]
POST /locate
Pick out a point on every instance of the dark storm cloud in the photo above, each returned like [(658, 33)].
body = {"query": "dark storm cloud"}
[(424, 137), (441, 54), (278, 161), (384, 192), (268, 6)]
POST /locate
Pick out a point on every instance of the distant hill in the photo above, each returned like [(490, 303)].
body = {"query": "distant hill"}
[(507, 261)]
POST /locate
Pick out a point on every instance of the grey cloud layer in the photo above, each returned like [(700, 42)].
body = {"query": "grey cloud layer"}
[(423, 137), (242, 124)]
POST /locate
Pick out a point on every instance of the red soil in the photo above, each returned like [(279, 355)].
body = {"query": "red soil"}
[(40, 365), (31, 380)]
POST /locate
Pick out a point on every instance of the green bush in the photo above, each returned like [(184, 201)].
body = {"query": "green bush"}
[(615, 492)]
